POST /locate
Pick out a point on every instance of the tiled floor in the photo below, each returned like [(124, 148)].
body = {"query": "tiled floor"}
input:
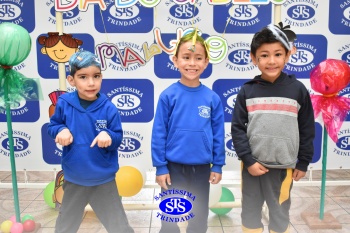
[(305, 197)]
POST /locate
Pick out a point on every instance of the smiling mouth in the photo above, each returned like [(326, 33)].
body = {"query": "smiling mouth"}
[(59, 57)]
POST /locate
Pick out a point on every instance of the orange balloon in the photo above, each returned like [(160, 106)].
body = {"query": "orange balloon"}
[(129, 181)]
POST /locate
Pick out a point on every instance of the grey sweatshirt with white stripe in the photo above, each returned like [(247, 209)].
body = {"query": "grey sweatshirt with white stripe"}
[(273, 123)]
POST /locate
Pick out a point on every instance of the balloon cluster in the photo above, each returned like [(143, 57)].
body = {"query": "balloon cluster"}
[(27, 225), (328, 78)]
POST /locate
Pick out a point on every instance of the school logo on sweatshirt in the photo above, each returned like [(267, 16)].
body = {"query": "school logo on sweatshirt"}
[(311, 50), (175, 205), (235, 18), (339, 17), (21, 141), (204, 111), (300, 14), (131, 145), (19, 12), (134, 98), (100, 124), (133, 19)]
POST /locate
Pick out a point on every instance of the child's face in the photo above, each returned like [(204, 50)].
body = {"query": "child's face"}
[(87, 81), (270, 58), (191, 64)]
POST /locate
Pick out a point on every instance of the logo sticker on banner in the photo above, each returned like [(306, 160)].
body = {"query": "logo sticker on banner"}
[(133, 19), (346, 53), (311, 50), (239, 57), (21, 142), (229, 148), (339, 17), (18, 12), (317, 143), (301, 15), (22, 111), (184, 15), (52, 152), (48, 68), (133, 98), (241, 18), (131, 145), (228, 90), (346, 93)]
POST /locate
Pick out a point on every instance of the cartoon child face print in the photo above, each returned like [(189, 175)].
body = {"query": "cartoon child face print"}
[(59, 47)]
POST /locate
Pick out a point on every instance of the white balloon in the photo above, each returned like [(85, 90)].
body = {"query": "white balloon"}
[(214, 194)]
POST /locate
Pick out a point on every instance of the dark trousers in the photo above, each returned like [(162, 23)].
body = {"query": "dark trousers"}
[(193, 179), (104, 200), (273, 187)]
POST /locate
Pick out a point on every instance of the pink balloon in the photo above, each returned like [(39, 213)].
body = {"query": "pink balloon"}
[(17, 227), (13, 219), (330, 76)]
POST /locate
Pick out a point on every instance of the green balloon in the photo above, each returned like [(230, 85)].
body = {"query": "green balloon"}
[(15, 44), (48, 194), (226, 196), (27, 217)]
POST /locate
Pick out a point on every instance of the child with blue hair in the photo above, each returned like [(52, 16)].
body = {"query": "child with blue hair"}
[(88, 127)]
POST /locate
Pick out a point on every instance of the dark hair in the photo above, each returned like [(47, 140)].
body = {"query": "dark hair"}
[(54, 37), (82, 59), (265, 36)]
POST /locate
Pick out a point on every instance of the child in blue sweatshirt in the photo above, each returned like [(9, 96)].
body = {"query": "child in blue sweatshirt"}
[(88, 127), (188, 134)]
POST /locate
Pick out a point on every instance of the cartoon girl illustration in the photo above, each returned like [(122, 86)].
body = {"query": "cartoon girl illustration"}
[(59, 47)]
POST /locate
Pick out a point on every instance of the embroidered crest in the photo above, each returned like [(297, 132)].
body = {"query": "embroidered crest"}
[(204, 111), (101, 124)]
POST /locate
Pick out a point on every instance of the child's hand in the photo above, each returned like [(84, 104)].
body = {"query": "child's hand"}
[(215, 177), (297, 174), (163, 180), (257, 169), (102, 139), (64, 138)]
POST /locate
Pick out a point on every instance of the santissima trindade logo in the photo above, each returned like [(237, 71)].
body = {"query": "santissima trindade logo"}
[(175, 206)]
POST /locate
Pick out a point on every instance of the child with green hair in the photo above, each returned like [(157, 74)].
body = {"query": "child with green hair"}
[(188, 148)]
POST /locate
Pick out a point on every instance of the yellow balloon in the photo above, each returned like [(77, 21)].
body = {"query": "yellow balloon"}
[(6, 226), (129, 181)]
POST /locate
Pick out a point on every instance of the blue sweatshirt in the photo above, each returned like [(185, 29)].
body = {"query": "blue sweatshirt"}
[(81, 164), (188, 128)]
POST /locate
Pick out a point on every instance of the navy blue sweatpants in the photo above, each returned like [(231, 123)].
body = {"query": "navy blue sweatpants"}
[(193, 179)]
